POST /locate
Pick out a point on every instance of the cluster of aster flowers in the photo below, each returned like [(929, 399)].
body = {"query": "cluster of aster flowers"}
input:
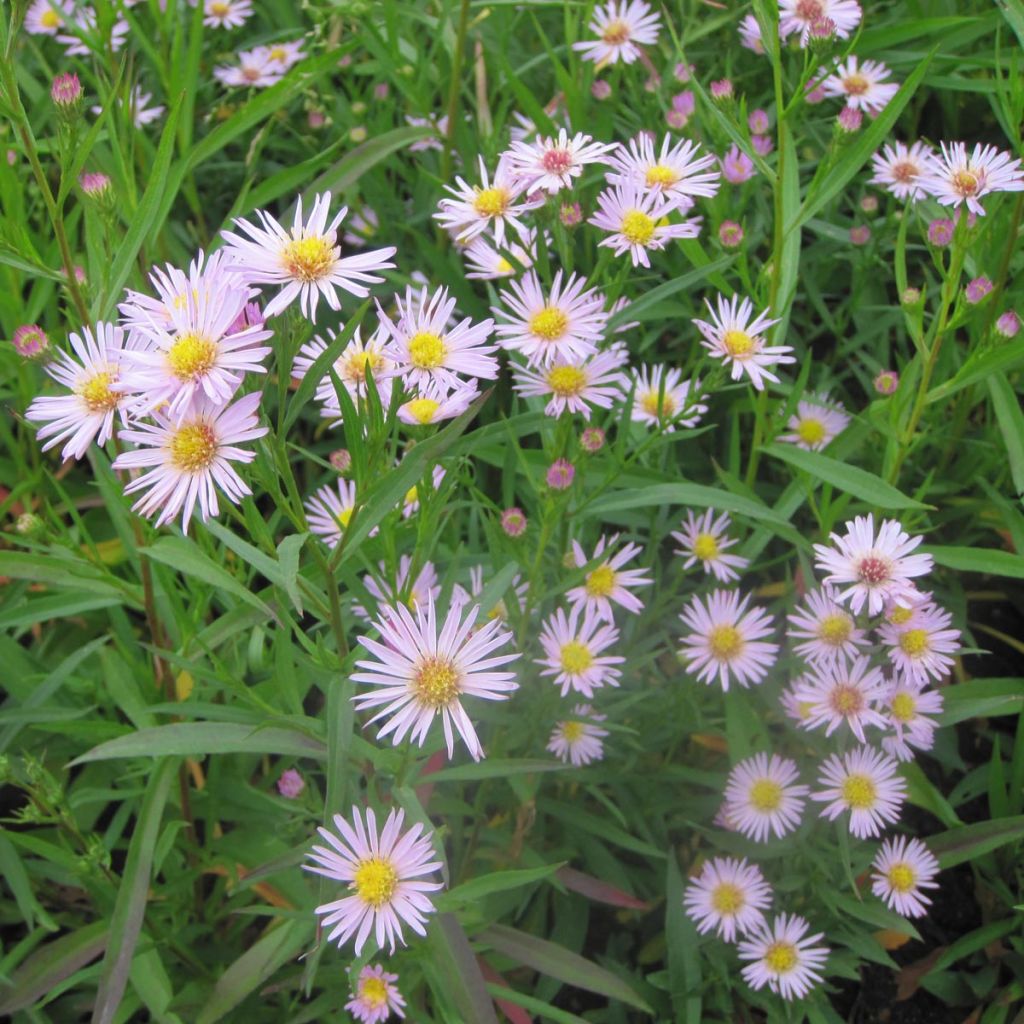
[(872, 643)]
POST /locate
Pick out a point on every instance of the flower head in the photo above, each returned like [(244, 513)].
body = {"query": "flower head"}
[(255, 69), (291, 784), (837, 692), (573, 651), (909, 706), (677, 171), (226, 13), (826, 630), (330, 510), (30, 341), (622, 27), (494, 205), (513, 522), (608, 583), (783, 956), (573, 386), (66, 91), (729, 895), (637, 221), (662, 398), (375, 996), (554, 163), (862, 83), (48, 17), (954, 176), (922, 646), (736, 166), (703, 539), (578, 739), (814, 424), (399, 588), (902, 868), (750, 34), (898, 168), (863, 781), (977, 289), (1008, 324), (761, 798), (736, 337), (801, 16)]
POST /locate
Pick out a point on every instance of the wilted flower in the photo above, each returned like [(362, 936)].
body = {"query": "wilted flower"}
[(560, 475), (940, 232)]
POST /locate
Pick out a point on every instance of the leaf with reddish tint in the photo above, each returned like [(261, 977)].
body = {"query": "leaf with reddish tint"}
[(961, 844), (516, 1014), (598, 891)]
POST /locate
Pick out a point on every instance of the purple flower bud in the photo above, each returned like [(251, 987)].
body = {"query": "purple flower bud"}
[(316, 119), (513, 522), (977, 290), (560, 475), (1008, 324), (592, 439), (380, 91), (66, 91), (730, 234), (887, 382), (869, 204), (30, 341), (683, 72), (860, 234), (721, 90), (601, 89), (940, 232), (570, 214), (676, 118), (291, 784), (736, 166), (94, 184), (341, 460), (763, 144), (685, 102), (758, 122), (850, 119)]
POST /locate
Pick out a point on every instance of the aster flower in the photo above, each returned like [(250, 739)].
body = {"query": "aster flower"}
[(826, 630), (91, 373), (520, 588), (703, 539), (863, 781), (728, 896), (577, 739), (306, 260), (553, 163), (48, 17), (750, 34), (909, 705), (357, 360), (662, 398), (801, 16), (677, 172), (330, 510), (736, 166), (426, 351), (82, 37), (573, 386), (421, 671), (486, 263), (139, 109), (814, 424), (922, 647), (564, 324), (727, 637), (877, 568), (291, 784), (284, 55), (190, 460), (225, 13), (636, 221), (411, 501), (903, 867), (384, 873), (621, 27), (399, 588), (783, 956), (899, 168), (433, 405), (609, 583), (375, 996), (761, 798), (572, 651), (737, 338), (490, 206), (255, 69), (954, 177), (863, 84), (796, 709), (839, 692)]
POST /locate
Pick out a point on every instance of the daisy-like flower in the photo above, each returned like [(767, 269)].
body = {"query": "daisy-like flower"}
[(357, 360), (814, 424), (226, 13), (784, 957), (138, 106), (874, 569), (47, 17), (188, 461), (899, 168), (520, 589), (254, 69), (761, 798), (909, 705), (737, 338), (83, 35), (954, 177), (862, 84), (91, 373), (726, 637), (284, 55), (424, 588), (637, 222), (863, 781), (565, 324), (553, 163), (922, 646), (411, 501), (750, 34), (662, 398), (429, 353), (577, 739), (574, 386), (728, 896), (486, 263), (609, 583), (621, 27), (306, 260), (903, 867), (825, 629), (362, 226), (677, 172), (490, 206), (421, 671), (801, 16), (330, 510), (434, 406), (572, 651), (375, 996), (384, 873), (839, 692), (703, 539)]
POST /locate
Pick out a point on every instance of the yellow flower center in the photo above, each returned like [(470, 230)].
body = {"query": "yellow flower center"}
[(738, 343), (576, 658), (637, 228), (504, 267), (902, 877), (616, 32), (846, 699), (780, 957), (965, 183), (412, 495), (436, 683), (423, 410), (601, 582), (219, 8), (705, 547), (50, 19), (914, 642), (661, 174), (374, 992), (856, 85), (727, 898), (193, 447), (657, 405), (427, 351), (811, 431), (835, 629), (96, 393), (903, 707), (344, 517), (765, 795), (308, 259), (192, 356), (491, 202), (550, 323), (859, 792), (375, 881), (358, 363), (278, 53), (572, 731), (567, 381), (899, 615), (725, 642)]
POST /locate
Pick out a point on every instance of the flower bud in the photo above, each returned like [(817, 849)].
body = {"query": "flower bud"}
[(730, 234), (560, 475), (513, 522), (887, 382), (30, 341)]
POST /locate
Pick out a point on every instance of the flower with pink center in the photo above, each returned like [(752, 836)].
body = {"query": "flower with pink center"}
[(560, 475), (800, 16), (758, 122), (977, 289), (736, 166), (898, 168), (579, 740), (375, 996), (254, 69), (902, 868), (554, 163), (736, 337), (762, 144), (940, 232), (1008, 324), (676, 171), (622, 27), (955, 176), (729, 896), (862, 83), (513, 522), (574, 647), (839, 691), (608, 583), (291, 784), (863, 781)]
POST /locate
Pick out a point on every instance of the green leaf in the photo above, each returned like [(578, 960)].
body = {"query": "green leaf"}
[(990, 561), (970, 841), (684, 494), (456, 975), (53, 606), (1011, 424), (499, 881), (982, 698), (684, 967), (555, 962), (850, 479), (978, 367), (192, 739), (493, 768), (974, 941), (641, 308)]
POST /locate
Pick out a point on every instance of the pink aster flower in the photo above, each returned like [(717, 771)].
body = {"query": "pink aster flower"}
[(736, 166), (30, 341), (579, 740), (608, 583), (677, 171), (801, 16), (863, 84), (838, 692), (560, 475), (922, 646), (1008, 324), (554, 163), (661, 398), (898, 168), (330, 510), (434, 405), (494, 205), (910, 707), (622, 27), (291, 784), (737, 338), (375, 996), (730, 234), (254, 69), (750, 34), (513, 522), (827, 631), (815, 423), (729, 895), (358, 360), (954, 176), (726, 637), (782, 955), (388, 589), (486, 263), (902, 868), (863, 781), (225, 13), (635, 219), (762, 796), (573, 386), (384, 875), (48, 17), (977, 289), (703, 539), (573, 651)]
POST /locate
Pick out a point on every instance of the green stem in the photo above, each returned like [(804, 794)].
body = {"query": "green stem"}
[(453, 90)]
